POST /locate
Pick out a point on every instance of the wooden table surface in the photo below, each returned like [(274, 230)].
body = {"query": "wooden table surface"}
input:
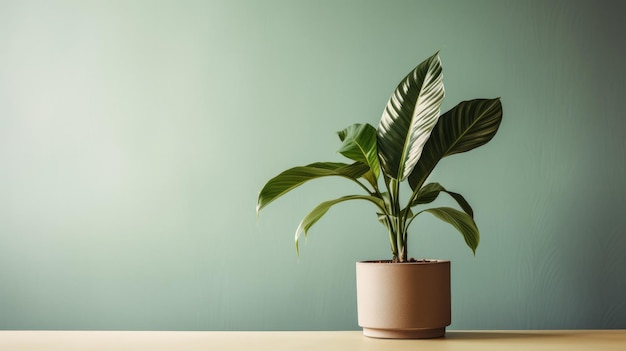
[(568, 340)]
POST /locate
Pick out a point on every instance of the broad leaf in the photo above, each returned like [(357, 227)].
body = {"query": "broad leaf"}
[(468, 125), (294, 177), (321, 209), (409, 117), (462, 222), (429, 192), (359, 144)]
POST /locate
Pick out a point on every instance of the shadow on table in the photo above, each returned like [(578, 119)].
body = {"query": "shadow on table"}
[(493, 335)]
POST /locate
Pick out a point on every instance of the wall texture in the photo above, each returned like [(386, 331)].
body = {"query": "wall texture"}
[(135, 136)]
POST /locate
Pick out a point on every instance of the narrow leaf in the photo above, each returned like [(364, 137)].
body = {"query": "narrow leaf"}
[(429, 192), (409, 117), (468, 125), (462, 222), (294, 177), (321, 209)]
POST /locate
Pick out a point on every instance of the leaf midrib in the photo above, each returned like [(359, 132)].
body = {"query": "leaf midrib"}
[(469, 128)]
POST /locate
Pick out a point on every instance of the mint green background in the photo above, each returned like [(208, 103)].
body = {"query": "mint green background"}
[(135, 136)]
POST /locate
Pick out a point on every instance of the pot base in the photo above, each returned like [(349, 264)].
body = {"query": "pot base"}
[(405, 333)]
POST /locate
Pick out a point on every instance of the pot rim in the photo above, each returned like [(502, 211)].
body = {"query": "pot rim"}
[(417, 262)]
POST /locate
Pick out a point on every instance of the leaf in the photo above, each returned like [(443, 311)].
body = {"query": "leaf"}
[(359, 144), (409, 117), (321, 209), (429, 192), (462, 222), (294, 177), (468, 125)]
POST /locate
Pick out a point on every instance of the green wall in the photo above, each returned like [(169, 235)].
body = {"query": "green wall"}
[(135, 136)]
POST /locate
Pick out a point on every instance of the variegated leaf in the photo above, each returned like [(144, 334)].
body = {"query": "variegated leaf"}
[(409, 117), (468, 125)]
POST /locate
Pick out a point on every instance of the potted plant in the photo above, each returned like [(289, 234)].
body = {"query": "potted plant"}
[(402, 297)]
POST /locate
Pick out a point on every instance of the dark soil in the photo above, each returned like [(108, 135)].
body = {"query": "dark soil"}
[(410, 260)]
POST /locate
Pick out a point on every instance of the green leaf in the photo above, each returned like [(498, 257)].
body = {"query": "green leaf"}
[(429, 192), (321, 209), (468, 125), (359, 144), (463, 222), (409, 117), (294, 177)]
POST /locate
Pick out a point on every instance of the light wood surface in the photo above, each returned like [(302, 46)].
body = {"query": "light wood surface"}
[(296, 341)]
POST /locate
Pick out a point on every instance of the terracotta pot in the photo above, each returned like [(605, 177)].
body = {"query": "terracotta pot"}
[(403, 300)]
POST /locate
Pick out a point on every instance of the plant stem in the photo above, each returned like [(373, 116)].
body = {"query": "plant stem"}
[(398, 221)]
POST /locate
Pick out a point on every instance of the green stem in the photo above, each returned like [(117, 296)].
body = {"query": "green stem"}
[(363, 186), (390, 219), (398, 222)]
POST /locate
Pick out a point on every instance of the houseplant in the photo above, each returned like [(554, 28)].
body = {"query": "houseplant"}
[(399, 155)]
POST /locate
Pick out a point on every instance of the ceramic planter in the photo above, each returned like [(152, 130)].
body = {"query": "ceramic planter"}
[(403, 300)]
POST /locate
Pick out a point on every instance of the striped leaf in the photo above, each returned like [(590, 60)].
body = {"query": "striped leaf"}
[(409, 117), (468, 125)]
